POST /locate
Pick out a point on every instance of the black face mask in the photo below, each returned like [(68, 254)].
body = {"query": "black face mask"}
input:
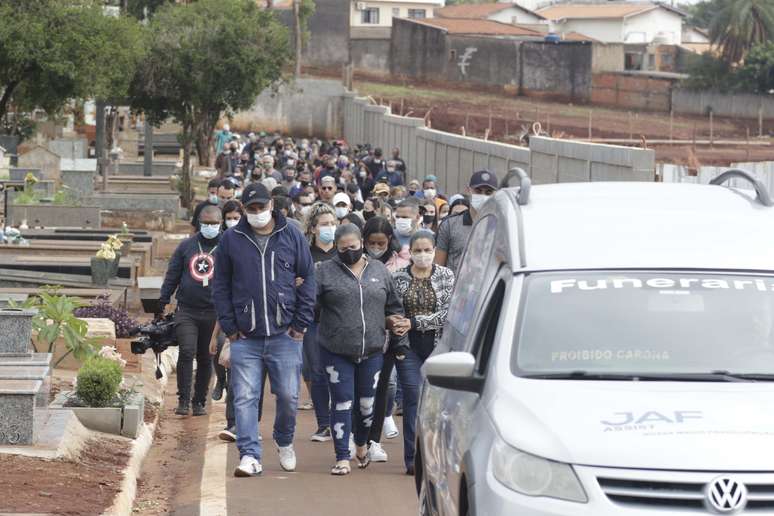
[(428, 219), (412, 192), (350, 256), (368, 214), (304, 183)]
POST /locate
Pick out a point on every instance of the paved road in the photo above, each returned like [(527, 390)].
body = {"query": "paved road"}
[(190, 456)]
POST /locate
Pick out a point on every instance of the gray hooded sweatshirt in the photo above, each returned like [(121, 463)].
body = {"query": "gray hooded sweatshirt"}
[(352, 311)]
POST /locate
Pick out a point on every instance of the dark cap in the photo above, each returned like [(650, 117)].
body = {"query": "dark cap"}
[(483, 178), (255, 193)]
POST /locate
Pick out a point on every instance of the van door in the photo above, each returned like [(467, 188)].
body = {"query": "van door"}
[(462, 412)]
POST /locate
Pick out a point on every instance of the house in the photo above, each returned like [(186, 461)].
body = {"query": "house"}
[(366, 14), (628, 23), (501, 12), (695, 35), (505, 57)]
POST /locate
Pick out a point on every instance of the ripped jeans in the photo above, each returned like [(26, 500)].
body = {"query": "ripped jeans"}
[(350, 384)]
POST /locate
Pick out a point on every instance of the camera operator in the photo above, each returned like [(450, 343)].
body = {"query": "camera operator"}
[(190, 273)]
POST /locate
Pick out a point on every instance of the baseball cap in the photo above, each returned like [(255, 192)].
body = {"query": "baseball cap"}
[(341, 197), (381, 188), (483, 178), (255, 193), (432, 178), (328, 179)]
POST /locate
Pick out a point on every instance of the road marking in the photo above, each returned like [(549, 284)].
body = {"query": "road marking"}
[(213, 486)]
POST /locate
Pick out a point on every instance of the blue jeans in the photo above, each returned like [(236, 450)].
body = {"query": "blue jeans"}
[(410, 379), (315, 372), (349, 381), (280, 357)]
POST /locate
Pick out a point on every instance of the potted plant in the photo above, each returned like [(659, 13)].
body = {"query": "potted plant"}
[(100, 398), (116, 245), (55, 323), (102, 308), (126, 239), (102, 265)]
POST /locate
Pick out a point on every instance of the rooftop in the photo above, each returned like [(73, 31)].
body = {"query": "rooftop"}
[(478, 27), (646, 225), (478, 11), (600, 11)]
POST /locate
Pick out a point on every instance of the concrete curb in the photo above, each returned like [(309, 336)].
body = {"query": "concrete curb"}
[(124, 500)]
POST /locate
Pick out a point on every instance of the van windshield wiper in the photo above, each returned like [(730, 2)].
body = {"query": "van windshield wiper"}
[(756, 377), (715, 376)]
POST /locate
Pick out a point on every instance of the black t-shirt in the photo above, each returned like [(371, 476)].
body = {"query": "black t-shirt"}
[(318, 255)]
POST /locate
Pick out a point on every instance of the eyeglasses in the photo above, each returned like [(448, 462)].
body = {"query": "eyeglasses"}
[(326, 188)]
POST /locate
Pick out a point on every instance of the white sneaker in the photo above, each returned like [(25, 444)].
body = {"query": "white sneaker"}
[(351, 447), (390, 428), (248, 467), (376, 453), (287, 457)]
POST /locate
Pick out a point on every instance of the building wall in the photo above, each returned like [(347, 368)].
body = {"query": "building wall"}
[(370, 54), (387, 11), (606, 31), (607, 57), (555, 70), (656, 23), (418, 51), (514, 15), (329, 33)]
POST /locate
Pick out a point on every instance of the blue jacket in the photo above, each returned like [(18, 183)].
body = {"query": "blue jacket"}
[(255, 293)]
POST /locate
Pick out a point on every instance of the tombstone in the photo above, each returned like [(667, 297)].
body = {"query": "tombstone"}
[(45, 160), (70, 148), (24, 379), (78, 175)]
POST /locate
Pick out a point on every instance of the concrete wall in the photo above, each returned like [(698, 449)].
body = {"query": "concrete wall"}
[(563, 161), (632, 91), (607, 57), (329, 33), (453, 158), (43, 159), (531, 67), (371, 54), (738, 105), (70, 148), (308, 107)]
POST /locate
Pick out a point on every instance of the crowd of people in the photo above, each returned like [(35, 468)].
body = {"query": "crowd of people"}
[(318, 262)]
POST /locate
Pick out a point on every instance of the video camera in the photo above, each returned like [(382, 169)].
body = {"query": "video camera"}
[(157, 335)]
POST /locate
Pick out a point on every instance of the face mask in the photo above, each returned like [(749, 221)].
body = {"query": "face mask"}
[(209, 231), (238, 194), (273, 152), (341, 212), (326, 234), (290, 178), (403, 226), (368, 214), (306, 210), (363, 174), (259, 220), (230, 223), (373, 252), (478, 200), (428, 219), (213, 198), (412, 192), (350, 256), (304, 184), (423, 260), (430, 193)]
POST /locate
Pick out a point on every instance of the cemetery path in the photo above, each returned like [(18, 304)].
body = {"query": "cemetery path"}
[(189, 471)]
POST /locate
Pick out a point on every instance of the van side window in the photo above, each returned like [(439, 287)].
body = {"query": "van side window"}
[(471, 281), (488, 328)]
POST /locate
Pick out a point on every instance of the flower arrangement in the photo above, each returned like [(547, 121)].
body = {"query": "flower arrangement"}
[(106, 252), (111, 353), (114, 242)]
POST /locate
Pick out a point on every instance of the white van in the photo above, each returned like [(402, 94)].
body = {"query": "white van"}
[(609, 351)]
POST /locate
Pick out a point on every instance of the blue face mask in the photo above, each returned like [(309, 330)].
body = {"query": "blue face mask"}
[(213, 199), (327, 234), (210, 231)]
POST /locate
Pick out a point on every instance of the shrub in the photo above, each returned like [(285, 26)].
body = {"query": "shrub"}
[(98, 381), (101, 308)]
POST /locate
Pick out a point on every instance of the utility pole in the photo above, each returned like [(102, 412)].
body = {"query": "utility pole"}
[(299, 39), (147, 157)]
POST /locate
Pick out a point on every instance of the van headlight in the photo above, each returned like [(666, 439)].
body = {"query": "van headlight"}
[(534, 476)]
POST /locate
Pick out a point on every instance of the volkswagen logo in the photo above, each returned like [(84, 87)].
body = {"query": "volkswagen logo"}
[(726, 495)]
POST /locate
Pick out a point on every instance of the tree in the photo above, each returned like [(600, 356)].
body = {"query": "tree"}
[(302, 13), (740, 25), (142, 8), (206, 58), (701, 14), (757, 74), (54, 51)]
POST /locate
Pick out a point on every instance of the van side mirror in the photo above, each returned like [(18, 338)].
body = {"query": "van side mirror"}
[(454, 370)]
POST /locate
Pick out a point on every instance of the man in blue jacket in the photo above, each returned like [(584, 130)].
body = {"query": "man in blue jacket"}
[(265, 317)]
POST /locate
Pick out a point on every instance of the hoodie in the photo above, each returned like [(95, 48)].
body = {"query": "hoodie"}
[(190, 274)]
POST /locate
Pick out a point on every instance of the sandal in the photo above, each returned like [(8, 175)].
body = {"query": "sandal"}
[(341, 468), (364, 461)]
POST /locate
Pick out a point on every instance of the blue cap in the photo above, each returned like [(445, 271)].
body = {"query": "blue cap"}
[(483, 178)]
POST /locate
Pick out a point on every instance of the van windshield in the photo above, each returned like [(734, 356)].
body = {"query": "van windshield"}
[(584, 323)]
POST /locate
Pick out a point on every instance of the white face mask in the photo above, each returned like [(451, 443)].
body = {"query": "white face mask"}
[(209, 231), (306, 210), (403, 226), (423, 260), (259, 220), (341, 212), (478, 200), (230, 223), (373, 252), (430, 193)]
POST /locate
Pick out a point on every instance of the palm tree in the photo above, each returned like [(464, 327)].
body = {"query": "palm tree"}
[(740, 25)]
